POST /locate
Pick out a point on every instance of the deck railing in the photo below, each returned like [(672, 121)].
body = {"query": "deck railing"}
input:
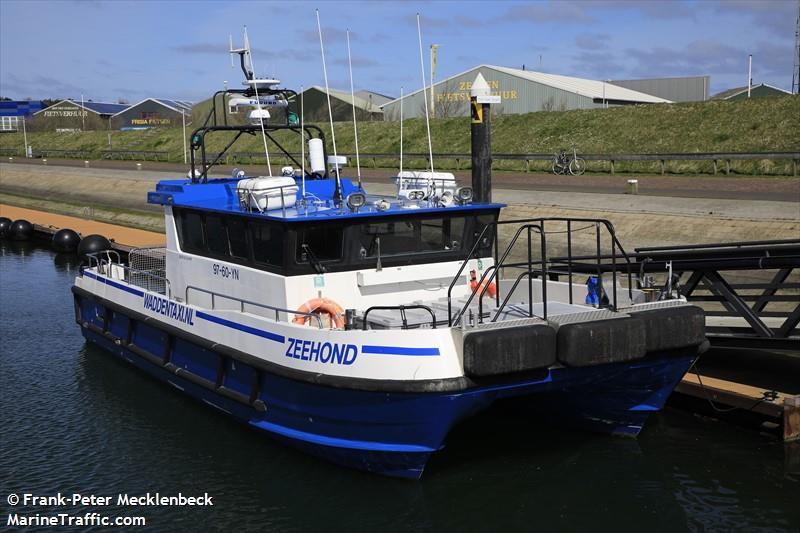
[(109, 263), (242, 303), (541, 267)]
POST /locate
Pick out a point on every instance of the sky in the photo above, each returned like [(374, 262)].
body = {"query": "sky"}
[(132, 50)]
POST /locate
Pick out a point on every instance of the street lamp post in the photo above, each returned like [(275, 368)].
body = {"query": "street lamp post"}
[(24, 136)]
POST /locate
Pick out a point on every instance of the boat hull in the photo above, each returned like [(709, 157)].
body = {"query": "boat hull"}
[(388, 432)]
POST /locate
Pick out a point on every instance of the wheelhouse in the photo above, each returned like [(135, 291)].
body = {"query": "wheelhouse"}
[(292, 247)]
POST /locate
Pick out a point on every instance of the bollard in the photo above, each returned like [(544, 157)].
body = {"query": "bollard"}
[(44, 161), (633, 186), (86, 164), (138, 166)]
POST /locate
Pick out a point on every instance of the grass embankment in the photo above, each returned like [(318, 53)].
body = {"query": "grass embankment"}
[(757, 125)]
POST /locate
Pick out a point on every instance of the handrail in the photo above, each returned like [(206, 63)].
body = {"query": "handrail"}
[(96, 260), (242, 303), (244, 199), (502, 306), (490, 273), (493, 269), (402, 309), (496, 268)]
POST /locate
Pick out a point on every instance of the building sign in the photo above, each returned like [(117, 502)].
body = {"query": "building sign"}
[(464, 88), (153, 121), (65, 111)]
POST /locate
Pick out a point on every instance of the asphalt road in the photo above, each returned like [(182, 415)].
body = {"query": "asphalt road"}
[(764, 188)]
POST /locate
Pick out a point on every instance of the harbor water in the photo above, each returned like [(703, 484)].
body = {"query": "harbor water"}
[(74, 419)]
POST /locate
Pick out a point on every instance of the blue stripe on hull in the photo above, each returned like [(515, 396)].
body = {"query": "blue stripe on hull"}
[(387, 433), (395, 433)]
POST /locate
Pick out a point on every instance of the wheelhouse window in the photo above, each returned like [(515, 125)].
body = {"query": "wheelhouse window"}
[(267, 243), (411, 236), (191, 232), (321, 242), (237, 236), (216, 235)]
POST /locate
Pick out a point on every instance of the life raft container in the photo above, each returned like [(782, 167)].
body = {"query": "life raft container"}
[(325, 306), (491, 288)]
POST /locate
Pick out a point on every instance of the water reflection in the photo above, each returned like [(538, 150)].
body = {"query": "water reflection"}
[(67, 262)]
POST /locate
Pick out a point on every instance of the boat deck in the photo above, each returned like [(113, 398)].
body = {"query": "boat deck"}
[(415, 315)]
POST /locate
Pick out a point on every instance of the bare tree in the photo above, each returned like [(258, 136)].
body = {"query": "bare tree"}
[(449, 101)]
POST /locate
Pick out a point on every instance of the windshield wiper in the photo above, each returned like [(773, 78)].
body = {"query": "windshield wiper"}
[(312, 258)]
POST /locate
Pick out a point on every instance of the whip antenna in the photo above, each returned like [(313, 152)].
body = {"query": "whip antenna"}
[(337, 193), (425, 93), (302, 148), (353, 100), (400, 175), (258, 100)]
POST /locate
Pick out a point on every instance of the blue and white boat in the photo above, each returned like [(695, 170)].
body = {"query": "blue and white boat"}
[(363, 328)]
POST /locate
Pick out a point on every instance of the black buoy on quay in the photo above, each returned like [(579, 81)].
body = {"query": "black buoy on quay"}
[(92, 244), (65, 240), (5, 225), (20, 230)]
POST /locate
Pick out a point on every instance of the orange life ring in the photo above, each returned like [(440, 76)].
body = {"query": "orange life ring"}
[(491, 288), (321, 306)]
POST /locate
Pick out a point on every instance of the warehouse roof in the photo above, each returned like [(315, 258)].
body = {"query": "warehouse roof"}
[(100, 108), (377, 98), (179, 106), (581, 86), (730, 93), (12, 108), (361, 103)]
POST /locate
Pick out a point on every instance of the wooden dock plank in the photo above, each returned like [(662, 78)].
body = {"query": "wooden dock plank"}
[(732, 394)]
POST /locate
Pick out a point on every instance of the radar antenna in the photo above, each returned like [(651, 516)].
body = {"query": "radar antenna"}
[(248, 67)]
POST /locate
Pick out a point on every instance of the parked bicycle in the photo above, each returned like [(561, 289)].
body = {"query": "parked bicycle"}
[(564, 162)]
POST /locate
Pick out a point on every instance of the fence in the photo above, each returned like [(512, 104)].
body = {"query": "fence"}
[(716, 158), (719, 160)]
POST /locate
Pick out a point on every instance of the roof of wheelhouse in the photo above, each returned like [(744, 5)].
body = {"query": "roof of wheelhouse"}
[(220, 195)]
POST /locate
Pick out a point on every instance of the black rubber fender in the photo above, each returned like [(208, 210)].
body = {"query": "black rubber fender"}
[(493, 352), (93, 244), (673, 327), (603, 341), (20, 230), (5, 225), (65, 240)]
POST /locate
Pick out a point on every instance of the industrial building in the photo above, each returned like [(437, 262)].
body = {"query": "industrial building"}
[(682, 89), (153, 113), (315, 105), (762, 90), (71, 115), (521, 91), (12, 113)]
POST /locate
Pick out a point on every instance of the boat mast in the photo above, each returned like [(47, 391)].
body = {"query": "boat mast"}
[(353, 101), (302, 148), (258, 100), (425, 94), (400, 174), (337, 193)]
